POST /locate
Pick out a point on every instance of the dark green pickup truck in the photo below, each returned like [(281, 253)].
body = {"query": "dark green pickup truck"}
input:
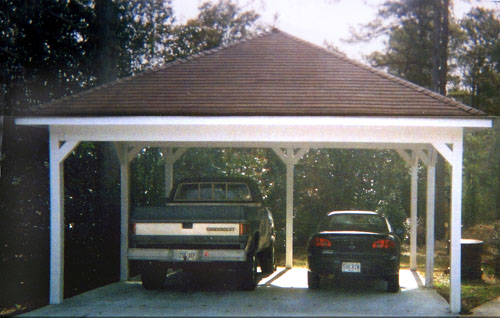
[(206, 225)]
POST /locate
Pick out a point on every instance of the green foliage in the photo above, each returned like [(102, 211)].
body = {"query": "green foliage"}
[(481, 183), (325, 180), (217, 24), (479, 60), (328, 180)]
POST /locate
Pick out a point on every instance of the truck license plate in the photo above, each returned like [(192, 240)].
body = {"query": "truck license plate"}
[(350, 267), (185, 255)]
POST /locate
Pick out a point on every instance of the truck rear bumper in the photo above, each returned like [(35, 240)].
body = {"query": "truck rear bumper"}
[(175, 255)]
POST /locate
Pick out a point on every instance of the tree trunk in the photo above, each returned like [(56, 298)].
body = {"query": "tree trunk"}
[(496, 127), (443, 55), (106, 41), (108, 197), (439, 80)]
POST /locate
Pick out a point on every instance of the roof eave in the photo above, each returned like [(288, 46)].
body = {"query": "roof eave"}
[(465, 122)]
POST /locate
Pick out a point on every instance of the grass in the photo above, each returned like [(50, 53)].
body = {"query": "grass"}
[(474, 292)]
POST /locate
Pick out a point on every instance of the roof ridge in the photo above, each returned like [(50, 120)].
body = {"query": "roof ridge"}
[(155, 69), (448, 100)]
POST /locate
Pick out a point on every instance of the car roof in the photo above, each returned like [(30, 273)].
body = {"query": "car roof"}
[(352, 212)]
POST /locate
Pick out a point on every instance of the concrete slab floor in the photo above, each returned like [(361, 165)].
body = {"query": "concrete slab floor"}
[(284, 293)]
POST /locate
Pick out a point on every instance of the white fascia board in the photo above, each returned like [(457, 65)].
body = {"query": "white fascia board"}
[(249, 133), (255, 121)]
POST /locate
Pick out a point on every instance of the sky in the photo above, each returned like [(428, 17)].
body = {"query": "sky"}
[(318, 21)]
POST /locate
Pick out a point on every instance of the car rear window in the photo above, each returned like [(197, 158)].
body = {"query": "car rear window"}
[(218, 191), (354, 222)]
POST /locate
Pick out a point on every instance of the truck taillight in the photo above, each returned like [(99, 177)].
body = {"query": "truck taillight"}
[(321, 242), (244, 228), (383, 244), (131, 228)]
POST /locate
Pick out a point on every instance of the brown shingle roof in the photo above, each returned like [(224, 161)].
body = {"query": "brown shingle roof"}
[(271, 74)]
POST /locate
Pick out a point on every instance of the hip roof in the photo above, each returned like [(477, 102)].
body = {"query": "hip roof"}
[(273, 74)]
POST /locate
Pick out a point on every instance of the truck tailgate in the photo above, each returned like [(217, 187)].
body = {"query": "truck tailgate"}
[(189, 226)]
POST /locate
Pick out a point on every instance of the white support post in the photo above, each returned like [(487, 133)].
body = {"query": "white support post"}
[(57, 153), (56, 224), (429, 233), (169, 171), (290, 158), (413, 211), (170, 158), (456, 222), (124, 157), (289, 214)]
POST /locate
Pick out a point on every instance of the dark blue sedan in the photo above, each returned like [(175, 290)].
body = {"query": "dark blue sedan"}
[(354, 243)]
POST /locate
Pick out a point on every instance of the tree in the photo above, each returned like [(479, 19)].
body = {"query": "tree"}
[(217, 24), (40, 53), (479, 60), (50, 49), (419, 35), (408, 26)]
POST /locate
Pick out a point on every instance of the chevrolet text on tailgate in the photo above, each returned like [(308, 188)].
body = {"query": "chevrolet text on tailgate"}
[(207, 225)]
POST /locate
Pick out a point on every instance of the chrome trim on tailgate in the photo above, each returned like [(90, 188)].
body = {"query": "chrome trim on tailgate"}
[(153, 254)]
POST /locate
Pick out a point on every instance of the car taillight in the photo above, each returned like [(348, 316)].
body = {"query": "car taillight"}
[(321, 242), (244, 228), (383, 244), (131, 228)]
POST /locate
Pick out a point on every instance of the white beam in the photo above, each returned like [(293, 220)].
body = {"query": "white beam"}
[(177, 154), (255, 133), (282, 155), (276, 145), (124, 158), (445, 151), (413, 211), (422, 156), (456, 222), (66, 148), (133, 151), (429, 233), (404, 155), (299, 154)]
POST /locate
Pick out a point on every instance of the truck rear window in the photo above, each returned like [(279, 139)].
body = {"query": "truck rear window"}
[(217, 191)]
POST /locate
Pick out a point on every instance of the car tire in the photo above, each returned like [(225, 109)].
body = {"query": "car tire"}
[(153, 277), (393, 283), (313, 280), (249, 274), (267, 260)]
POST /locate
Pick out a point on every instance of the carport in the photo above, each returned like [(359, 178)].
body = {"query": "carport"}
[(272, 91)]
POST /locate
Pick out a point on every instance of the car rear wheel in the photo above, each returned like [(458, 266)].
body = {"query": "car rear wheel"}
[(267, 260), (393, 284), (153, 276), (313, 280), (249, 273)]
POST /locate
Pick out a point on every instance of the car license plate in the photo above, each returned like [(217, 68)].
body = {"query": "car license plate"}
[(351, 267), (185, 255)]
